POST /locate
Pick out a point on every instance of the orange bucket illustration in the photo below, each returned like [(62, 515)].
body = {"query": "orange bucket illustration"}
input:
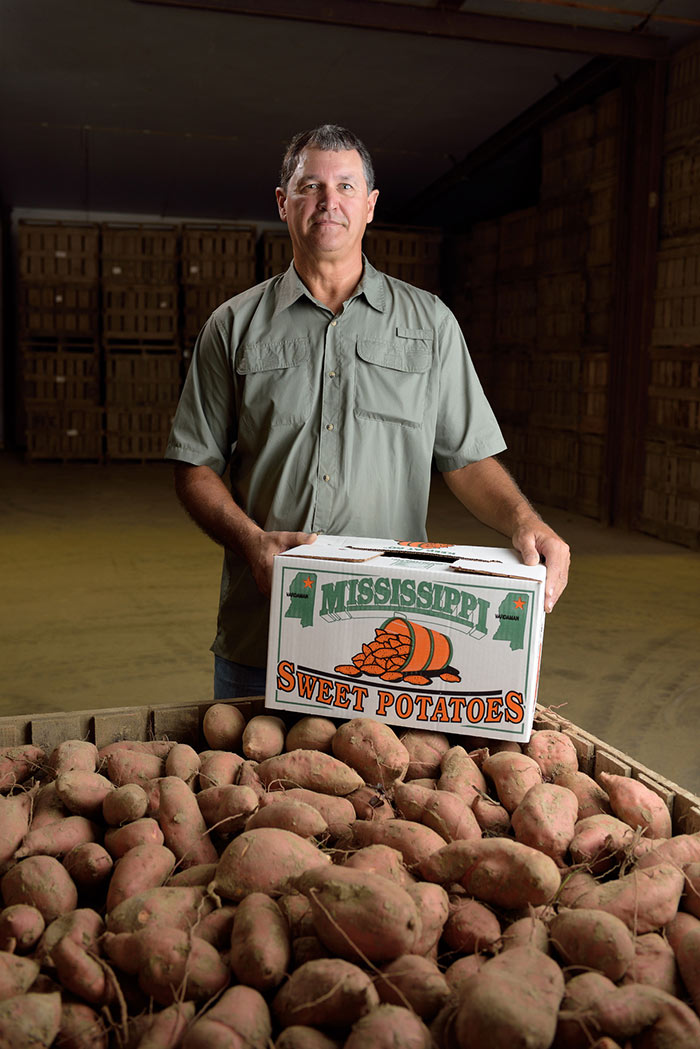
[(429, 651)]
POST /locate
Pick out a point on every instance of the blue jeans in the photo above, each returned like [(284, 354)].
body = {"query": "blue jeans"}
[(234, 680)]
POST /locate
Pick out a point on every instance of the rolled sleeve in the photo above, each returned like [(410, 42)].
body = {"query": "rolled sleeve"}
[(466, 430), (204, 427)]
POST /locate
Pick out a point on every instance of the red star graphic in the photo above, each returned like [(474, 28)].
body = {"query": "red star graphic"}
[(308, 582), (520, 603)]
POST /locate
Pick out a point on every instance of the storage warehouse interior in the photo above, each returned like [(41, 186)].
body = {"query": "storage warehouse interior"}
[(539, 168)]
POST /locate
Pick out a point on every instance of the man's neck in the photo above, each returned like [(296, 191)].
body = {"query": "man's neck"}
[(329, 281)]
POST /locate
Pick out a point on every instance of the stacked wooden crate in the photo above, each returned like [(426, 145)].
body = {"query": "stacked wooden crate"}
[(58, 340), (411, 255), (217, 262), (276, 252), (141, 337), (671, 486)]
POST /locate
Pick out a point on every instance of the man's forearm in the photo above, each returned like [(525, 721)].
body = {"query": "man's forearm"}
[(489, 492), (209, 503)]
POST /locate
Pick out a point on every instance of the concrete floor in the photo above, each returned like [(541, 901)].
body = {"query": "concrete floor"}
[(109, 597)]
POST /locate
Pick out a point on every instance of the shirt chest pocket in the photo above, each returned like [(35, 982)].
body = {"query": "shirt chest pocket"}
[(391, 377), (276, 387)]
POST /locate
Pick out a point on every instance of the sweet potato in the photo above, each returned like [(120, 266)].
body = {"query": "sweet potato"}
[(690, 901), (30, 1020), (89, 865), (83, 792), (260, 943), (426, 750), (201, 874), (141, 868), (358, 915), (42, 882), (175, 966), (414, 841), (497, 871), (327, 993), (654, 963), (491, 816), (82, 1028), (470, 927), (373, 749), (592, 939), (445, 812), (21, 927), (219, 768), (182, 823), (225, 809), (389, 1027), (637, 805), (645, 900), (263, 737), (592, 799), (679, 925), (381, 859), (166, 1028), (371, 804), (300, 1037), (545, 820), (600, 842), (183, 761), (512, 774), (311, 769), (264, 860), (687, 953), (239, 1020), (125, 804), (297, 912), (133, 766), (526, 932), (17, 764), (17, 974), (83, 925), (553, 751), (223, 726), (307, 949), (512, 1000), (177, 907), (216, 927), (247, 776), (80, 973), (15, 813), (311, 733), (145, 831), (680, 849), (74, 754), (294, 816), (460, 774), (433, 905), (636, 1009), (462, 969), (47, 807), (56, 839), (576, 1024), (338, 812)]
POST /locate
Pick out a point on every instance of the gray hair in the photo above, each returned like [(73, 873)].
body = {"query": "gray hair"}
[(329, 137)]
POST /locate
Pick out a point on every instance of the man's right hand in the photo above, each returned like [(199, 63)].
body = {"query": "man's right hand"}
[(260, 550)]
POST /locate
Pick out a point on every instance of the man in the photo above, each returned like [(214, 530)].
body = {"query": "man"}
[(329, 391)]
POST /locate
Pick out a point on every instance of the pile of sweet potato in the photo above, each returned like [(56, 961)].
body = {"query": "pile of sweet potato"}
[(322, 884)]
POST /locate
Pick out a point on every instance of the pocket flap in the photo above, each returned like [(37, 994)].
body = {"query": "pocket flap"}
[(403, 355), (268, 356)]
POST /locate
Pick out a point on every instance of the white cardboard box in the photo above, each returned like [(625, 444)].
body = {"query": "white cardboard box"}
[(423, 635)]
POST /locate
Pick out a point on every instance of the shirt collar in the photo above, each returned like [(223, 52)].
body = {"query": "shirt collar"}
[(291, 287)]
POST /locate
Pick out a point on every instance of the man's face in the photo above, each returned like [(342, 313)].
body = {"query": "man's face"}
[(326, 204)]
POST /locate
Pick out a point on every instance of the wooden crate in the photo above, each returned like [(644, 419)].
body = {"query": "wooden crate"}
[(561, 315), (677, 297), (602, 222), (63, 376), (509, 387), (562, 234), (411, 255), (674, 394), (198, 303), (593, 391), (516, 312), (517, 248), (139, 254), (591, 483), (57, 251), (138, 433), (554, 390), (57, 309), (218, 254), (142, 377), (144, 313), (551, 466), (64, 433), (277, 252), (680, 199), (599, 304), (682, 124), (183, 722), (670, 506)]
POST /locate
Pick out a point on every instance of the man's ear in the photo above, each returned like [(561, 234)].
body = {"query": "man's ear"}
[(281, 203), (371, 203)]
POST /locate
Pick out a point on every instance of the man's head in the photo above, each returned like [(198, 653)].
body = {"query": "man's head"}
[(326, 196), (325, 137)]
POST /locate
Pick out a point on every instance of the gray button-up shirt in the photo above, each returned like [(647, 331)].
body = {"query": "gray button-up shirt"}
[(328, 423)]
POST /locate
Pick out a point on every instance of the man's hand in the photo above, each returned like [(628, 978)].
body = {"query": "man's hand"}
[(260, 552), (536, 541)]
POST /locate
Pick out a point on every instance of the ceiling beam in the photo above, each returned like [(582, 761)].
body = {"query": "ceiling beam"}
[(442, 21)]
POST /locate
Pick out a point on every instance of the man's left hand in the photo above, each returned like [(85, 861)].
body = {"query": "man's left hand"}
[(535, 541)]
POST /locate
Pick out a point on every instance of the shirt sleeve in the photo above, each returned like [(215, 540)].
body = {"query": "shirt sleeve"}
[(467, 430), (205, 424)]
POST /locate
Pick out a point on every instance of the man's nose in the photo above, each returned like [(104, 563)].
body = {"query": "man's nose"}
[(328, 199)]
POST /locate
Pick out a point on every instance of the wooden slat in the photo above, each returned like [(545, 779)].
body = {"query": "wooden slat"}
[(178, 722), (121, 723), (48, 730)]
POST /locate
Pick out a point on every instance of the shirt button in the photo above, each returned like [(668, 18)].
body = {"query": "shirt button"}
[(333, 324), (331, 375), (326, 477), (330, 426)]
